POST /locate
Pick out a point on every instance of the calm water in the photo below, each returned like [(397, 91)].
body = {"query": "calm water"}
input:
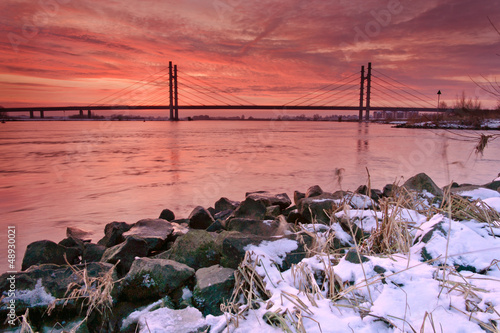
[(86, 174)]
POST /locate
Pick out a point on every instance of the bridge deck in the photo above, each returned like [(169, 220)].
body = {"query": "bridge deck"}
[(216, 107)]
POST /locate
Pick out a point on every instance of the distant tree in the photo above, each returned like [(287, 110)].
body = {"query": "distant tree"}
[(465, 105), (443, 105)]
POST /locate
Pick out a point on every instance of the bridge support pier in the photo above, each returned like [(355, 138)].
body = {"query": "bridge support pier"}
[(361, 94), (368, 91), (176, 98), (81, 113), (32, 115), (171, 90), (42, 115), (89, 114)]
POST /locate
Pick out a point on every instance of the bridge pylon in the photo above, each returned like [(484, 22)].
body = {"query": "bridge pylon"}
[(361, 94), (368, 80)]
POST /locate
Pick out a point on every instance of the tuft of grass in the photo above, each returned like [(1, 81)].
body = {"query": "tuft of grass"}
[(94, 294), (392, 234), (249, 289)]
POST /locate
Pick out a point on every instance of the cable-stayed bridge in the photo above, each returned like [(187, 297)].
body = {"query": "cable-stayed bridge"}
[(173, 90)]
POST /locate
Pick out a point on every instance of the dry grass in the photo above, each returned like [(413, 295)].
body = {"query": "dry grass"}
[(469, 291), (249, 289), (462, 208), (94, 294), (393, 235)]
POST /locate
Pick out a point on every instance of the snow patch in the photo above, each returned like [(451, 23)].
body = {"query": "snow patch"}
[(36, 297), (274, 250), (480, 193)]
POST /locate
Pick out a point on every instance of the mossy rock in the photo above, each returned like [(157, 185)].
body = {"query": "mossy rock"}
[(197, 249)]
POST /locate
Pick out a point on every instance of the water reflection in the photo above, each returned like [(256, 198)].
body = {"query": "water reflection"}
[(363, 133), (173, 147), (126, 171)]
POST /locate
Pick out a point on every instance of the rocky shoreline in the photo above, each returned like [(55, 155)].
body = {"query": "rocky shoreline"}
[(488, 125), (188, 263)]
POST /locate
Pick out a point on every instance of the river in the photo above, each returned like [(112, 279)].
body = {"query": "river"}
[(88, 173)]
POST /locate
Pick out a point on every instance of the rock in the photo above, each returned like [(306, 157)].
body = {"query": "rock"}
[(287, 211), (250, 209), (258, 227), (389, 190), (422, 182), (354, 257), (225, 204), (97, 323), (314, 191), (188, 320), (214, 286), (273, 212), (156, 232), (211, 210), (352, 229), (297, 196), (215, 227), (167, 214), (126, 252), (313, 209), (358, 201), (374, 194), (269, 199), (77, 233), (151, 279), (40, 285), (294, 217), (200, 218), (48, 252), (495, 185), (221, 216), (93, 253), (74, 243), (197, 249), (113, 233), (234, 244)]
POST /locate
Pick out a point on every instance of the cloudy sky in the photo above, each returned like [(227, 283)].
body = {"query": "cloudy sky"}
[(71, 52)]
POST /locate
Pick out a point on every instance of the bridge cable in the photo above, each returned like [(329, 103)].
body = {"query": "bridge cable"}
[(346, 91), (400, 92), (342, 97), (135, 83), (412, 89), (327, 92), (216, 90), (389, 99), (320, 89), (409, 93), (197, 88)]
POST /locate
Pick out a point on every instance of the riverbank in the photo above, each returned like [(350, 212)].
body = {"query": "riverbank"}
[(482, 125), (371, 260)]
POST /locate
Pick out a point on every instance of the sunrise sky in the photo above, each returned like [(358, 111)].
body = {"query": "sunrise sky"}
[(79, 52)]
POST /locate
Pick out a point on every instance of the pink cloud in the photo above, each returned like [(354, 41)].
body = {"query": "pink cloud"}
[(271, 51)]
